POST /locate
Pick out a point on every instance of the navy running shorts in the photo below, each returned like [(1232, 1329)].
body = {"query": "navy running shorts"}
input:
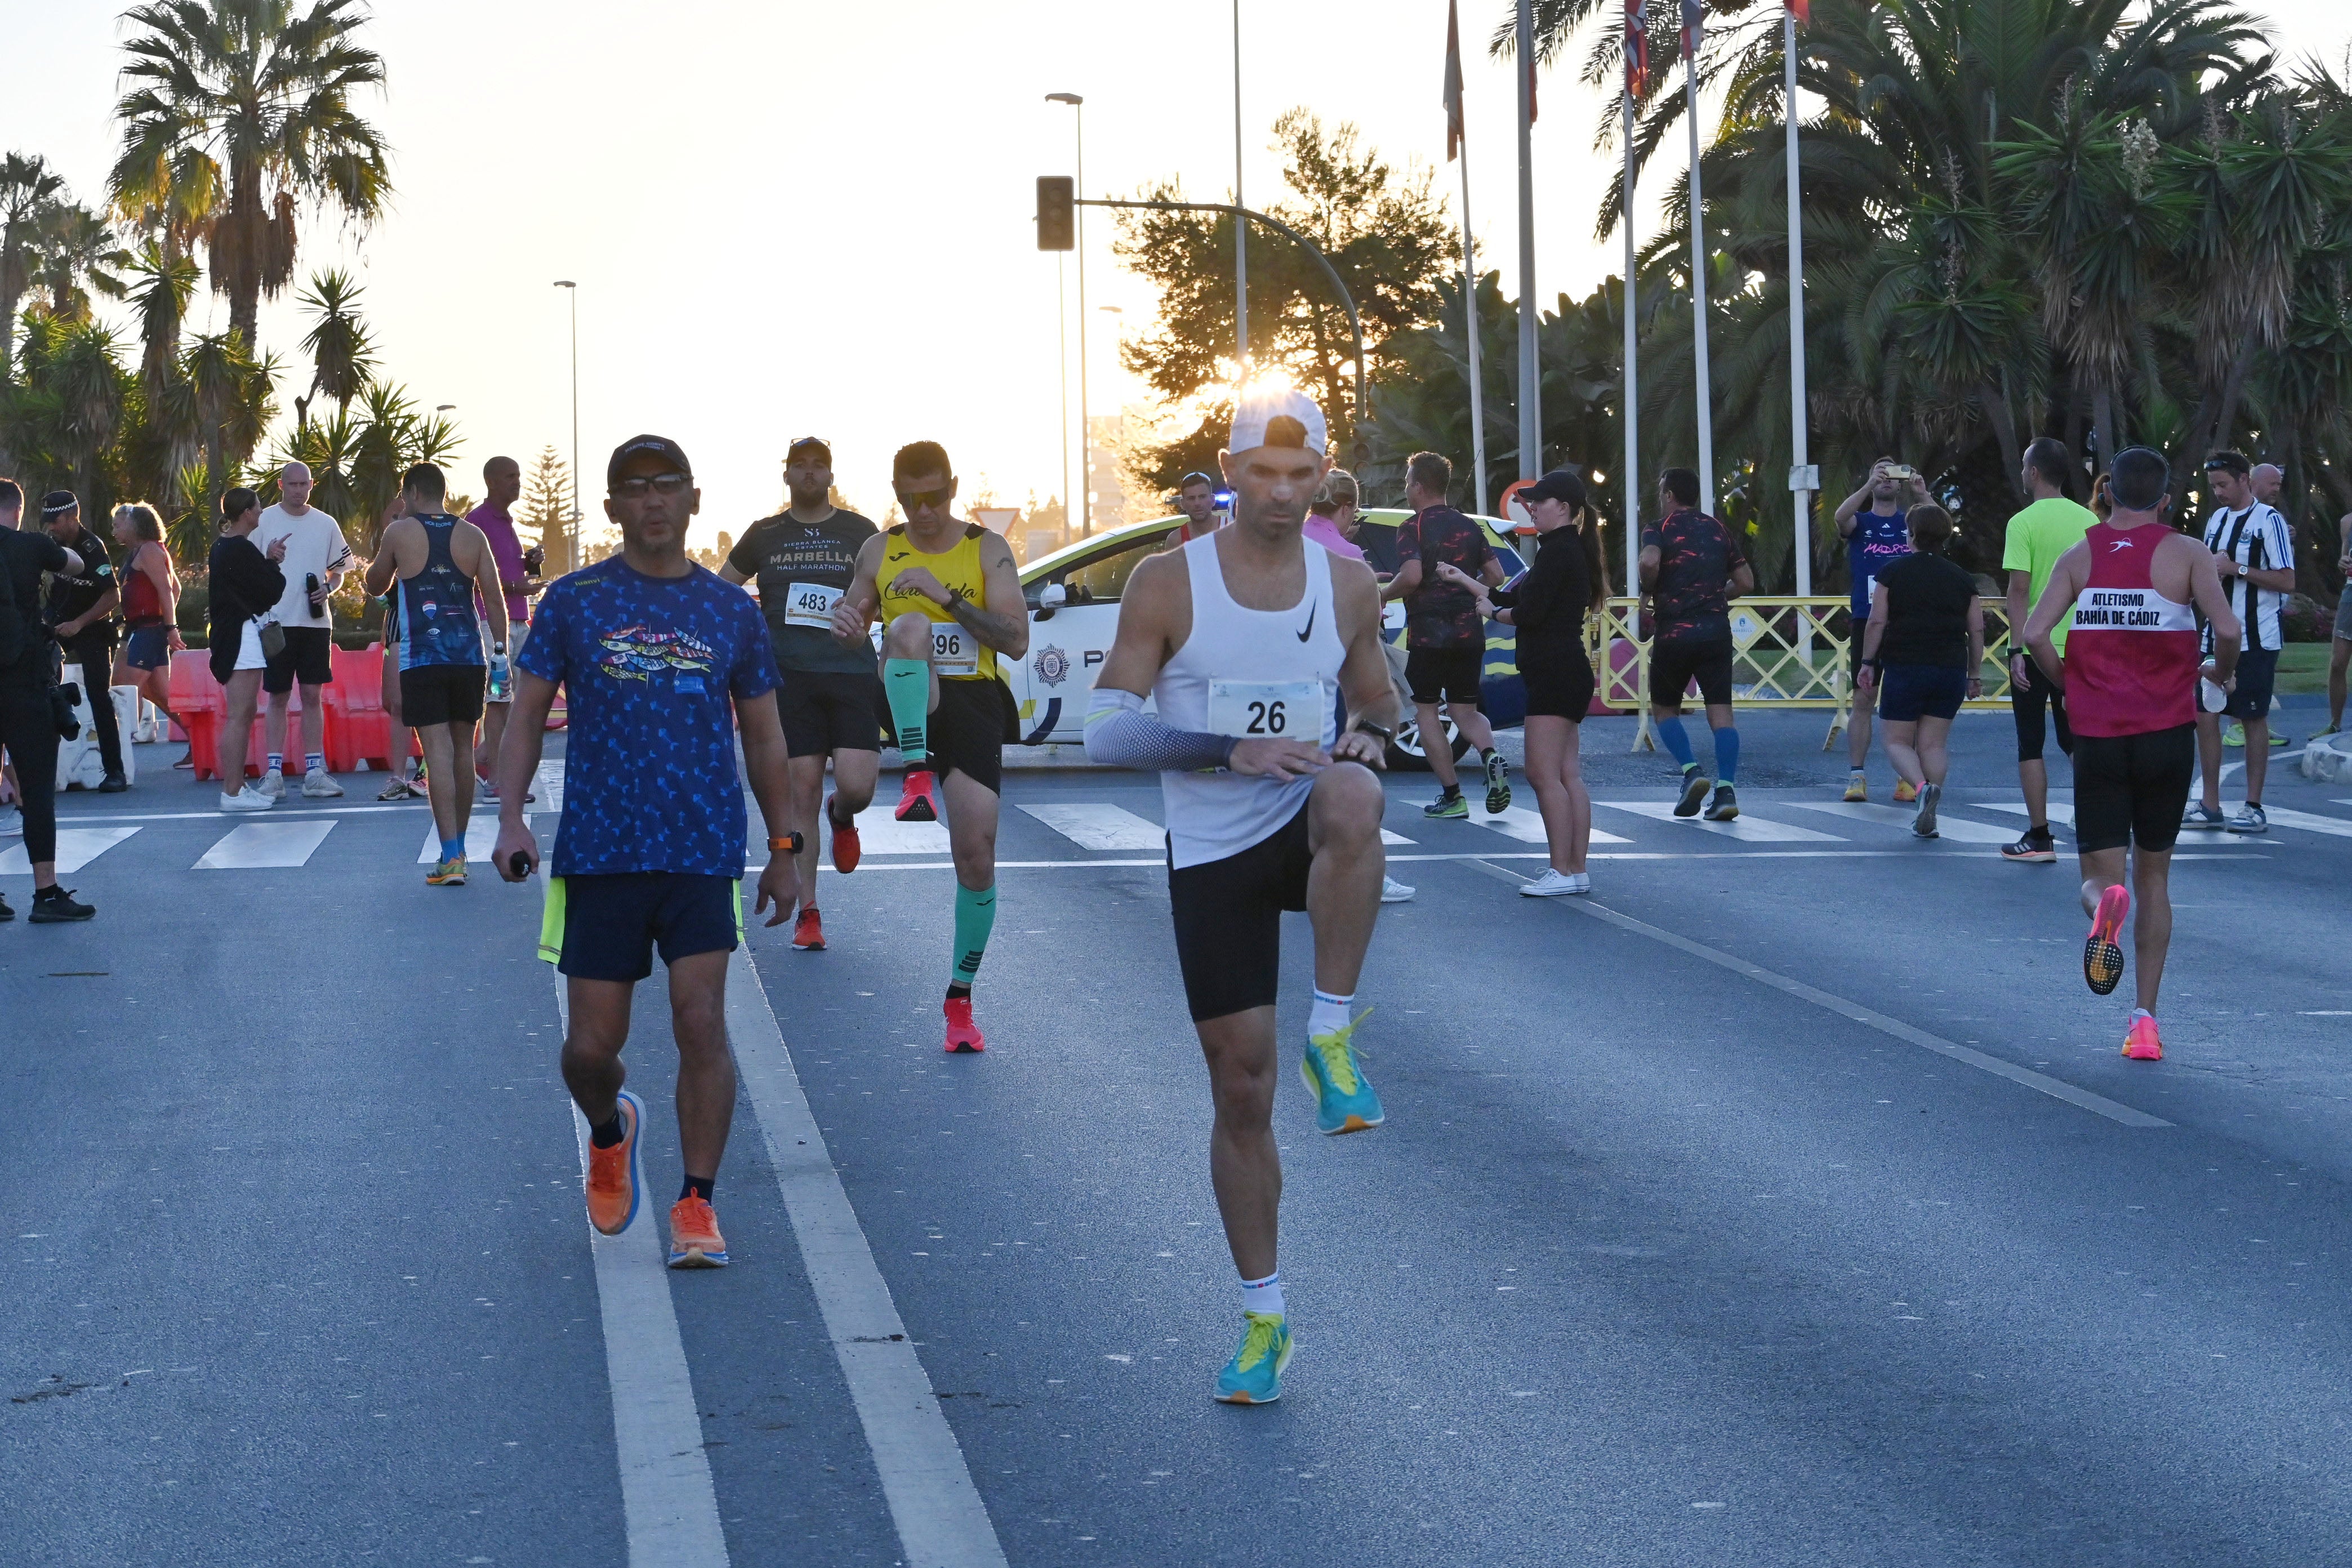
[(608, 927)]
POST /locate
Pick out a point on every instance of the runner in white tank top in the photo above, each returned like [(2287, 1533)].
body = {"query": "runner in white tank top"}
[(1242, 637)]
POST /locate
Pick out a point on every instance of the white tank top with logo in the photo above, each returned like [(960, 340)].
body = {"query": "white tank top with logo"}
[(1249, 674)]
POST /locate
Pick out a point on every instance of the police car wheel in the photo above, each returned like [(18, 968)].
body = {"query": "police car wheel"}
[(1406, 753)]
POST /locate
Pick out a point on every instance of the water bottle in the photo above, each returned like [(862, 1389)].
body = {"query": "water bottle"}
[(501, 673), (317, 596)]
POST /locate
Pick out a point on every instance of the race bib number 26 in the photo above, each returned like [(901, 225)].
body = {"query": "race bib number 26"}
[(1269, 709), (810, 605)]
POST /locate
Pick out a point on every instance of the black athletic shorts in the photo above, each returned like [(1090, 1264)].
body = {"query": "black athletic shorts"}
[(2250, 694), (829, 711), (1451, 674), (970, 728), (2131, 789), (1911, 693), (1673, 664), (1229, 920), (308, 656), (608, 927), (442, 694), (2026, 704), (1559, 694)]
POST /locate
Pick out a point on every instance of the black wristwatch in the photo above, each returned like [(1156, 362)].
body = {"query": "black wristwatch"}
[(790, 844), (1366, 726)]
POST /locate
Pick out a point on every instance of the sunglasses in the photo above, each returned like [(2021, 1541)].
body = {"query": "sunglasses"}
[(794, 450), (910, 500), (668, 484)]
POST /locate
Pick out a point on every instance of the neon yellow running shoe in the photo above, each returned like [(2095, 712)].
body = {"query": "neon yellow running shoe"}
[(1344, 1100), (1255, 1374)]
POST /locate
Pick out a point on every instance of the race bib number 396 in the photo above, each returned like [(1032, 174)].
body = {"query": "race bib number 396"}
[(1269, 709), (810, 605), (954, 651)]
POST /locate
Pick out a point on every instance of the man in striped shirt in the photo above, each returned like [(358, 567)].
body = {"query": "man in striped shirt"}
[(2255, 557)]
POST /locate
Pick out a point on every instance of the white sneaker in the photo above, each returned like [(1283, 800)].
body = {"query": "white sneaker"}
[(1555, 883), (317, 785), (1393, 892), (271, 783), (247, 799)]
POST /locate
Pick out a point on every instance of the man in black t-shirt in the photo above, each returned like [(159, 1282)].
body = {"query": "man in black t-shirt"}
[(80, 614), (801, 560), (29, 728), (1444, 640), (1692, 567)]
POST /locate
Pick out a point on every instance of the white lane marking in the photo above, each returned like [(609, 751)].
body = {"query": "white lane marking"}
[(2059, 810), (941, 1519), (1095, 827), (284, 812), (668, 1506), (551, 784), (481, 838), (1393, 838), (1751, 829), (1956, 829), (880, 833), (1528, 826), (257, 846), (2334, 827), (2098, 1104), (76, 848)]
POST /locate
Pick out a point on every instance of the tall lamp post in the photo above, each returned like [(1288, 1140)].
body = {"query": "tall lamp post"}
[(571, 550), (1086, 434), (1241, 226)]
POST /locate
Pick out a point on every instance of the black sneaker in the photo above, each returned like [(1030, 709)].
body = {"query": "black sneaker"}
[(1695, 787), (6, 912), (54, 905), (1725, 805), (114, 784), (2034, 846)]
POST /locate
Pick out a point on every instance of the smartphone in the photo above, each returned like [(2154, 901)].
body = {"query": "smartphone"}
[(1901, 471)]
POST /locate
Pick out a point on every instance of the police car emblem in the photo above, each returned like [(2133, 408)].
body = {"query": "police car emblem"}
[(1052, 665)]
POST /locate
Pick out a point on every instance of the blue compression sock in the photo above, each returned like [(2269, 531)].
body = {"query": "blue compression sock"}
[(453, 849), (1727, 753), (1677, 739)]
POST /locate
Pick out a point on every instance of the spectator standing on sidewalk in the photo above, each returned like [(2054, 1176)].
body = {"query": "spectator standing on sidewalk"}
[(502, 483), (29, 728), (316, 558), (81, 618), (246, 583), (151, 608), (2255, 558), (2049, 526), (1872, 523)]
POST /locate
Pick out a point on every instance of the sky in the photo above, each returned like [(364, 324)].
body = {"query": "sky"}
[(788, 219)]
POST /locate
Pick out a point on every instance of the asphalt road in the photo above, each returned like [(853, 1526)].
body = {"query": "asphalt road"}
[(1786, 1203)]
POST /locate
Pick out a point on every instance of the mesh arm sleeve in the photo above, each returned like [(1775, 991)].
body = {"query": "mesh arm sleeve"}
[(1121, 734)]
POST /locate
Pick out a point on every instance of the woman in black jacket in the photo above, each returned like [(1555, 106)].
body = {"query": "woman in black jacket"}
[(245, 586), (1548, 605)]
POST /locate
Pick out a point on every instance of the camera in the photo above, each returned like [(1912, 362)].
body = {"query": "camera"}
[(63, 698)]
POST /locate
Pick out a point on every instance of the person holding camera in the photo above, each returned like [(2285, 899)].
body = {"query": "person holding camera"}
[(29, 725), (246, 585), (1872, 523)]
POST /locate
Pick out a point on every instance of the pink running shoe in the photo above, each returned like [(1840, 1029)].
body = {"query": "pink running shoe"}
[(2103, 956), (2141, 1043)]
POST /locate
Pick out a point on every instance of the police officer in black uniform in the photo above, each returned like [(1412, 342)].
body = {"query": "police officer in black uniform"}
[(81, 616), (28, 726)]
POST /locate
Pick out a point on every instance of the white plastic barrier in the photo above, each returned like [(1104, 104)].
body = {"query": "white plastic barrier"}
[(79, 762)]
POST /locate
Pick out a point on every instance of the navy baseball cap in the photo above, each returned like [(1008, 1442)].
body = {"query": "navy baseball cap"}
[(638, 445), (59, 501)]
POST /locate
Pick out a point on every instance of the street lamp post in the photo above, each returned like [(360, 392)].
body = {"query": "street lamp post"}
[(1086, 433), (571, 550), (1241, 228)]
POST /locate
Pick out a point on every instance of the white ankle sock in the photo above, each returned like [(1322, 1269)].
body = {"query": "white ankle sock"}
[(1329, 1013), (1263, 1295)]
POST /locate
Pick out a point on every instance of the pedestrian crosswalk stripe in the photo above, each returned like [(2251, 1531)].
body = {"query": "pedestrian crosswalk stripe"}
[(1393, 838), (261, 845), (1750, 829), (1092, 826), (76, 848), (481, 838), (2334, 827), (2059, 812), (1528, 826), (1958, 829), (880, 833)]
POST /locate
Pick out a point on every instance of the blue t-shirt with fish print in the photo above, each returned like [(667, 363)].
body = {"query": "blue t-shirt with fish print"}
[(649, 666)]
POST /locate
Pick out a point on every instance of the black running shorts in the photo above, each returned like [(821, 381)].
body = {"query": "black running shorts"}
[(970, 728), (1558, 694), (2131, 789), (1674, 665), (442, 694), (308, 656), (2027, 703), (1229, 920), (1446, 674), (829, 711), (608, 927)]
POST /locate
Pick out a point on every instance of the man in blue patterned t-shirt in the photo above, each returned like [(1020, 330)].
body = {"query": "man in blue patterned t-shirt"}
[(660, 659)]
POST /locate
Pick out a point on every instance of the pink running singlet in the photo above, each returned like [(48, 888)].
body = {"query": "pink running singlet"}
[(2131, 653)]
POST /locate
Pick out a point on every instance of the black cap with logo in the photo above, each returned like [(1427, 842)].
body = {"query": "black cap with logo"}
[(59, 501), (639, 445)]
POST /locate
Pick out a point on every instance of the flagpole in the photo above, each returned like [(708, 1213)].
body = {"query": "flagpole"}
[(1531, 389), (1802, 481), (1241, 223), (1470, 308), (1632, 581), (1698, 282)]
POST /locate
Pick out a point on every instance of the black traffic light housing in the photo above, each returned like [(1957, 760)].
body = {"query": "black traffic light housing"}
[(1058, 213)]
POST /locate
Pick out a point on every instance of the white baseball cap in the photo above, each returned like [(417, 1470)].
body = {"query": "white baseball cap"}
[(1262, 403)]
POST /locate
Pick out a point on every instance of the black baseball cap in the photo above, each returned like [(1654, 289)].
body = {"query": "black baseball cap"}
[(57, 501), (1560, 484), (819, 442), (636, 445)]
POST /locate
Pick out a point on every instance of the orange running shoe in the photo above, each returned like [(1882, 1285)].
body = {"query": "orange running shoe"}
[(846, 849), (920, 800), (615, 1175), (808, 932), (963, 1035), (2102, 957), (694, 1238), (2141, 1043), (1904, 791)]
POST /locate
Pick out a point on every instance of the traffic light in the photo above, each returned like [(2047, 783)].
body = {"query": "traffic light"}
[(1058, 213)]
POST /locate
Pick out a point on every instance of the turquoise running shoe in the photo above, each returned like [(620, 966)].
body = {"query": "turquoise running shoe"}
[(1344, 1100), (1255, 1374)]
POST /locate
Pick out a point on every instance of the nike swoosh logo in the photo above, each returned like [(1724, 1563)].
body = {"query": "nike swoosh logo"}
[(1310, 625)]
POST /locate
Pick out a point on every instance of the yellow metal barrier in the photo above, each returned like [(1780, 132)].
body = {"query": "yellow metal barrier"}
[(1787, 653)]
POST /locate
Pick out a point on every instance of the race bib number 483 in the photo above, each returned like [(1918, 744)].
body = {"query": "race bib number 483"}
[(1269, 709), (810, 605), (954, 651)]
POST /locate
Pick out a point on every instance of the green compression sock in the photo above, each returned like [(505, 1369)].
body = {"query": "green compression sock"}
[(975, 918), (906, 682)]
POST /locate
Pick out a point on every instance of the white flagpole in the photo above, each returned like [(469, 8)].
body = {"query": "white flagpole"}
[(1470, 308), (1801, 482), (1631, 584), (1699, 295), (1530, 384)]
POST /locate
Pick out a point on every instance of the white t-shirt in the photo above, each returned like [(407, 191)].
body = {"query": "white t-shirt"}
[(2257, 540), (314, 546)]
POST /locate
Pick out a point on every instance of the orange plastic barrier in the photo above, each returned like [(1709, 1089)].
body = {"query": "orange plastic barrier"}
[(359, 730)]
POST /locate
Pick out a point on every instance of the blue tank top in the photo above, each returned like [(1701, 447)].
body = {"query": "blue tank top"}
[(436, 619)]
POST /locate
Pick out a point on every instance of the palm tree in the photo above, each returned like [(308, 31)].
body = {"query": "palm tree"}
[(28, 186), (74, 251), (159, 293), (239, 116), (342, 355)]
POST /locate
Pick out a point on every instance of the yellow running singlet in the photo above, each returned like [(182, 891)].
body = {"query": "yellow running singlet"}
[(956, 654)]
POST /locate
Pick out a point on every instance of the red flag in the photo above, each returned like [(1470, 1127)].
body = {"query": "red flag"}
[(1452, 82), (1802, 10), (1694, 27), (1637, 46)]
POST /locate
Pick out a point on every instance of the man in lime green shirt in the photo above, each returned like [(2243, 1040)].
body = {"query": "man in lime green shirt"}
[(2046, 530)]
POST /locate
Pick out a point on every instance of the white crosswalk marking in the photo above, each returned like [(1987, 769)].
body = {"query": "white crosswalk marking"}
[(1750, 829), (262, 845), (76, 848), (1388, 837), (481, 838), (1953, 827), (2334, 827), (1528, 826), (550, 787), (880, 833), (2059, 810), (1090, 825)]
